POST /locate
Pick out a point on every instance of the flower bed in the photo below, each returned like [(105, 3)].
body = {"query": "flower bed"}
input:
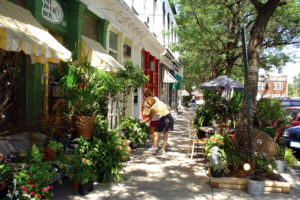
[(274, 183)]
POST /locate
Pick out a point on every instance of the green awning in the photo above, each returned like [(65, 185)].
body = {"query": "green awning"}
[(177, 86)]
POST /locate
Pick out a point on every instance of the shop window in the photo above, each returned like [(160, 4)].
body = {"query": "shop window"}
[(113, 44)]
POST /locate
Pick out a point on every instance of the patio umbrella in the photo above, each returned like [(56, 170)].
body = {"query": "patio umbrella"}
[(220, 82)]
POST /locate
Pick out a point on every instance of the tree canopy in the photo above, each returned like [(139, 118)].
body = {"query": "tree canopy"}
[(210, 36)]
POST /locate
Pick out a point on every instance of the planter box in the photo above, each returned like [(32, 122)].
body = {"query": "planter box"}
[(241, 184)]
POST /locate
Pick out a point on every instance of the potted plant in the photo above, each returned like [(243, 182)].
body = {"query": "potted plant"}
[(261, 166), (279, 158), (217, 169), (32, 182), (85, 91), (109, 152), (83, 168), (134, 131)]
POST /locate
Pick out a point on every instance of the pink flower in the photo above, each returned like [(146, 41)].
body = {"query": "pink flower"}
[(29, 175), (37, 195), (48, 187), (29, 181), (44, 189), (51, 187), (31, 193), (24, 187), (84, 160), (33, 185)]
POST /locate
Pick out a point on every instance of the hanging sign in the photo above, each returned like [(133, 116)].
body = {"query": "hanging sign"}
[(52, 11)]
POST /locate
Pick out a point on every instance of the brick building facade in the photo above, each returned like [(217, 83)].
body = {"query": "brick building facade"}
[(272, 86)]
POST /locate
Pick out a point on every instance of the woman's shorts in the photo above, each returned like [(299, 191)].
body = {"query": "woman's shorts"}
[(165, 123), (153, 123)]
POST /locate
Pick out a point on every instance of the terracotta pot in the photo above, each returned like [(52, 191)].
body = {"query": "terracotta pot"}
[(83, 125)]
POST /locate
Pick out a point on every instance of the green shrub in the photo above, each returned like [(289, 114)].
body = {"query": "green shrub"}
[(136, 132), (290, 159)]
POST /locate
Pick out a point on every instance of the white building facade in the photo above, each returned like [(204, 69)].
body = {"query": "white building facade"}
[(136, 31)]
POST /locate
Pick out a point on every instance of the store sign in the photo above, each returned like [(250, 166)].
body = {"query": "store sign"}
[(52, 11)]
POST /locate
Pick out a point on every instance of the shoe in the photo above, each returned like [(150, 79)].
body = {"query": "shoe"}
[(163, 151), (155, 150), (150, 149)]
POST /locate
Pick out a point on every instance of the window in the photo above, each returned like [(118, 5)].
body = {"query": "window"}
[(261, 85), (277, 86), (126, 51), (113, 44)]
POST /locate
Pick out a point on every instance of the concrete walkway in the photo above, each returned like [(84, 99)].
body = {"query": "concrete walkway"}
[(168, 176)]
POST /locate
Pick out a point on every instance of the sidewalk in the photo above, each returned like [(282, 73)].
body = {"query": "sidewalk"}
[(169, 176)]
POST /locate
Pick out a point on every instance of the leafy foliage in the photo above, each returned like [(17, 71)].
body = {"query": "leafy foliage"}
[(291, 160), (210, 34), (108, 149), (271, 116), (136, 132), (85, 88)]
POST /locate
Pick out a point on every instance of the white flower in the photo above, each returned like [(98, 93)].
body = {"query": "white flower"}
[(16, 192), (9, 195)]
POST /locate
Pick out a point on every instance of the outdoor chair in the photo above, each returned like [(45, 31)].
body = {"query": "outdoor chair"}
[(194, 141)]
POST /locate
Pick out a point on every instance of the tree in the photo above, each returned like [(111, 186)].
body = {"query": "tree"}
[(210, 41), (126, 81), (296, 80)]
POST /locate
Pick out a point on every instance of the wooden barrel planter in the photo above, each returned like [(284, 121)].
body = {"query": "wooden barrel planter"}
[(241, 184), (83, 125)]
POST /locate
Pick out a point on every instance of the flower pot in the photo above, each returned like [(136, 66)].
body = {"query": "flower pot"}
[(216, 173), (90, 186), (256, 186), (83, 189), (280, 165), (133, 145), (83, 125)]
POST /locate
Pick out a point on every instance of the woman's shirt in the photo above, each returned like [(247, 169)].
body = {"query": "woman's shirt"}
[(159, 108)]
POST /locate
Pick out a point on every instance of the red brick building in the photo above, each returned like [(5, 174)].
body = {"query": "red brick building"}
[(272, 86)]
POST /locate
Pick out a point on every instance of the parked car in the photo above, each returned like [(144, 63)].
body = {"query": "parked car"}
[(290, 101), (291, 137), (295, 114)]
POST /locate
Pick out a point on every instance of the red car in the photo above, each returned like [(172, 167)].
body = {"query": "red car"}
[(295, 113)]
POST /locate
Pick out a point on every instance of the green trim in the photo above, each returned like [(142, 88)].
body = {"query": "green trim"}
[(73, 38), (34, 91), (102, 31)]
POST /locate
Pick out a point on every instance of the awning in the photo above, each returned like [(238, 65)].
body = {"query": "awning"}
[(184, 93), (168, 78), (98, 56), (177, 85), (19, 31)]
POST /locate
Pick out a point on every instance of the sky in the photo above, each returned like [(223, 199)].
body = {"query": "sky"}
[(291, 69)]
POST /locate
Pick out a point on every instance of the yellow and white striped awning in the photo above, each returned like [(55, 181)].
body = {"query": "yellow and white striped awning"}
[(20, 31), (98, 56)]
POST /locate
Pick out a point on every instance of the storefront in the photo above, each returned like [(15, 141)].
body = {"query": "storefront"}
[(28, 48), (150, 66)]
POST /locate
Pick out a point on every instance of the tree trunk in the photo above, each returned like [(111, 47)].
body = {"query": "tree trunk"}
[(265, 11)]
